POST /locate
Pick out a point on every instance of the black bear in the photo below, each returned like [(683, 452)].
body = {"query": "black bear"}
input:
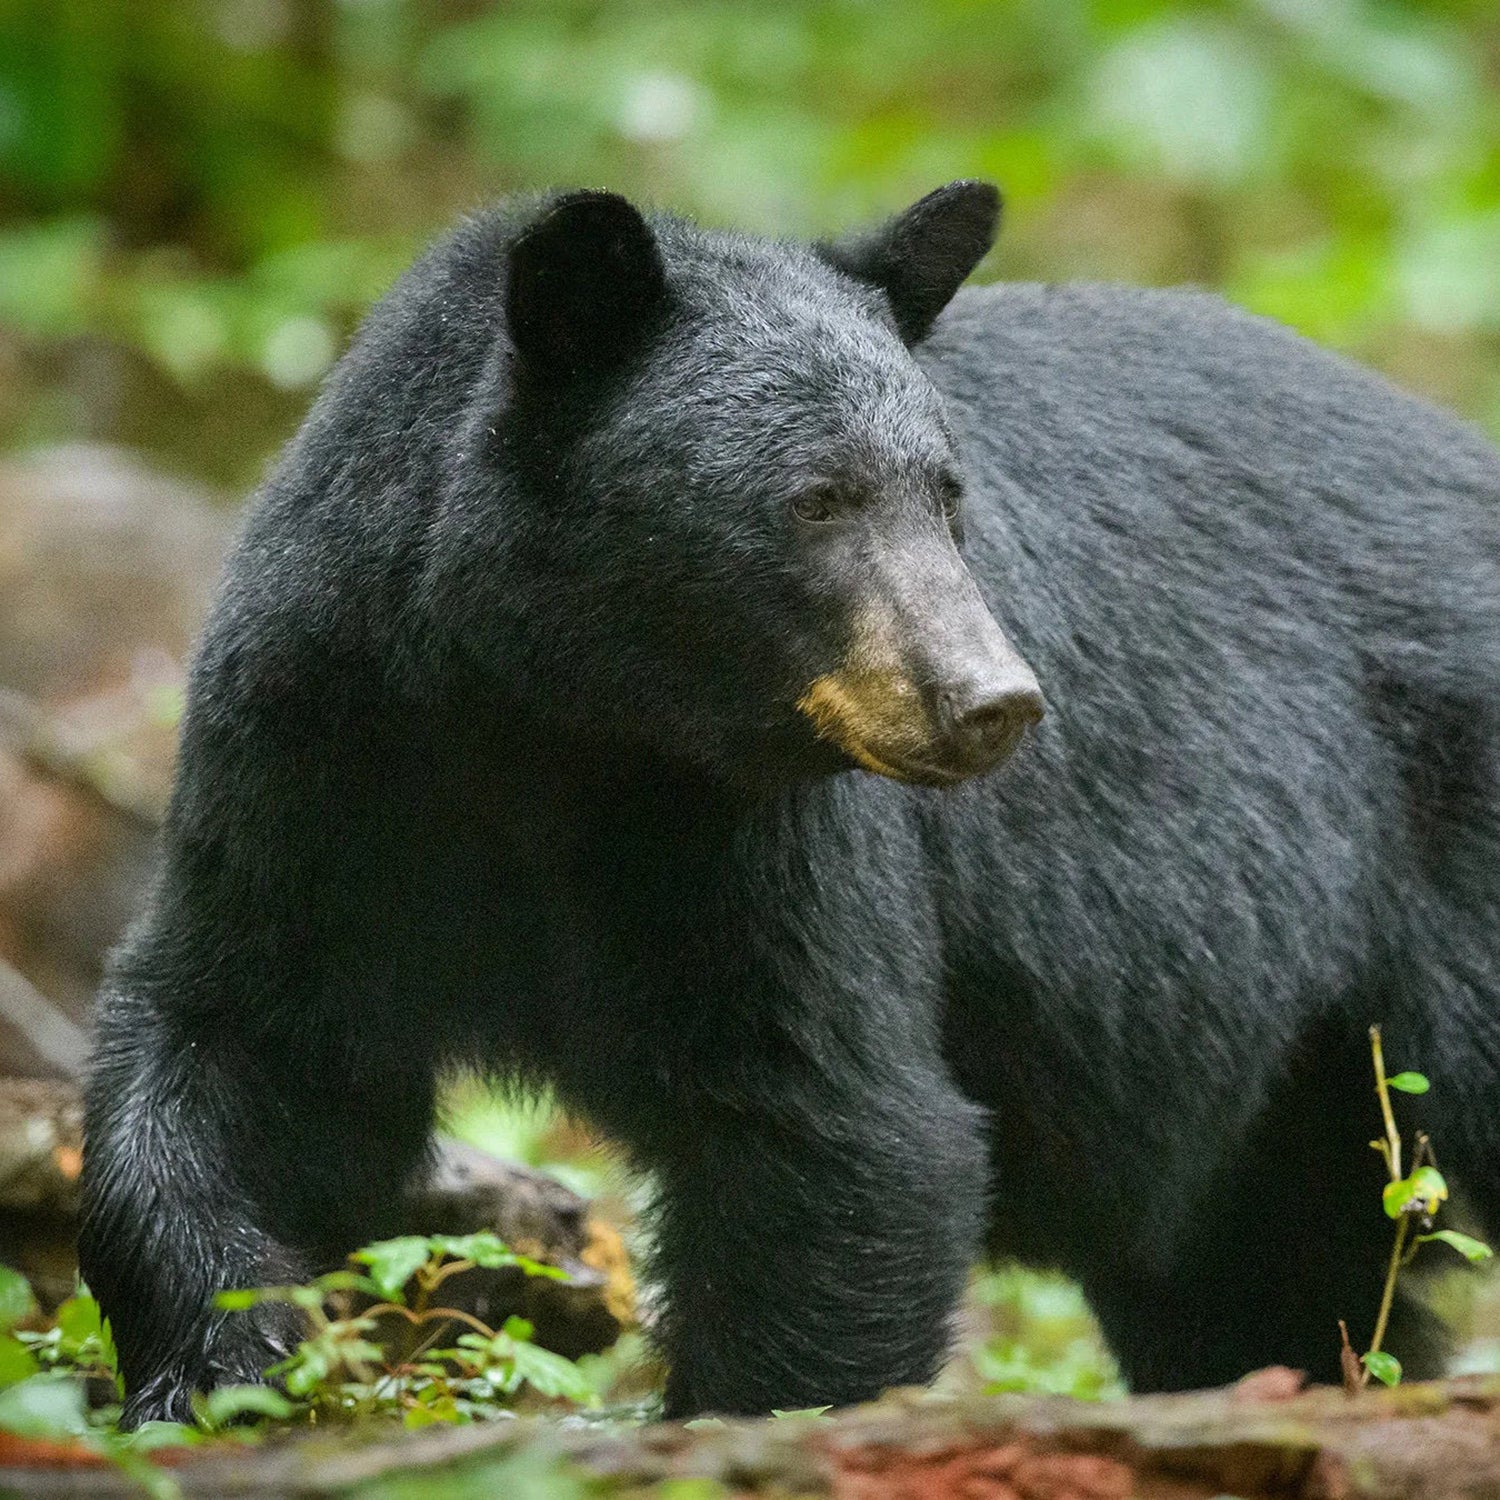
[(603, 692)]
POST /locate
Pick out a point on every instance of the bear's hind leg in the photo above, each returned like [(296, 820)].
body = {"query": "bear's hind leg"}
[(1291, 1239)]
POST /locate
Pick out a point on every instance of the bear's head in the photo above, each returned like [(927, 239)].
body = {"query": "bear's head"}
[(738, 506)]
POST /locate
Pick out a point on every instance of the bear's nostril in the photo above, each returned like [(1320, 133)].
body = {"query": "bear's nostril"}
[(997, 715), (988, 725)]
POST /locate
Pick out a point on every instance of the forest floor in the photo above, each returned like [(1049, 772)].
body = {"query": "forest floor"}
[(1263, 1437)]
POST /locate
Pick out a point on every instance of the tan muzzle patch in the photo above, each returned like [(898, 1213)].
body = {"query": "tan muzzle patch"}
[(876, 717)]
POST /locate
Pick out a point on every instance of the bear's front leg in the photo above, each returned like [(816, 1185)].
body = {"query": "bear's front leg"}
[(215, 1159), (815, 1254)]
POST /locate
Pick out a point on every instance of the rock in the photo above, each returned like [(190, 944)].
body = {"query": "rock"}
[(106, 570)]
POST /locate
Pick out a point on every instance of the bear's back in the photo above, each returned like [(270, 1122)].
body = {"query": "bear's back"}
[(1260, 588)]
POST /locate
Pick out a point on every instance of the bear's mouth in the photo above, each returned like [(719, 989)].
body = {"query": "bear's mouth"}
[(883, 731), (921, 773)]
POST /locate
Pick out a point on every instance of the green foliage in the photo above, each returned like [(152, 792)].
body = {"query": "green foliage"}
[(511, 1358), (337, 1371), (1411, 1198), (233, 1403), (42, 1392), (219, 189), (78, 1341), (1422, 1191), (341, 1369), (16, 1301), (1044, 1341), (1467, 1246), (17, 1362), (1408, 1083), (393, 1263)]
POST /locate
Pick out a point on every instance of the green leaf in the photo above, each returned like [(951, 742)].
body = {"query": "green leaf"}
[(17, 1362), (79, 1320), (1468, 1247), (362, 1350), (1386, 1368), (108, 1354), (347, 1281), (1425, 1186), (305, 1371), (16, 1301), (46, 1406), (540, 1268), (152, 1435), (813, 1412), (441, 1409), (492, 1253), (551, 1374), (1408, 1083), (393, 1263), (1430, 1185), (483, 1249), (231, 1401)]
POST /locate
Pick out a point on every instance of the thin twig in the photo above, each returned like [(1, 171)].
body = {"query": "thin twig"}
[(1391, 1150), (1392, 1135), (1388, 1296), (429, 1315), (1353, 1371)]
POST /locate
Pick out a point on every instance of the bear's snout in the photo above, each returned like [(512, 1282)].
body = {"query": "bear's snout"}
[(932, 735), (983, 718)]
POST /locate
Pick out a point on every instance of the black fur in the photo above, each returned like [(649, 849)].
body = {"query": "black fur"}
[(492, 755), (920, 258)]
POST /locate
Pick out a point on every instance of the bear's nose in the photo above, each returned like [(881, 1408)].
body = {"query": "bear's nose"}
[(983, 719)]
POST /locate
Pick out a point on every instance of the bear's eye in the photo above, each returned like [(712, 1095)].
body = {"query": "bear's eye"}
[(951, 490), (818, 507)]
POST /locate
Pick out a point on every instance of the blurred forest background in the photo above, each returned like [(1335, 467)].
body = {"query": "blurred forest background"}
[(198, 199)]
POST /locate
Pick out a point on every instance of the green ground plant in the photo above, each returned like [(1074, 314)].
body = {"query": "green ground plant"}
[(1413, 1199), (61, 1384), (341, 1369)]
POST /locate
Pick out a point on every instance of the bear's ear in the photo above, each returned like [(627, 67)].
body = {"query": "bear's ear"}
[(921, 257), (585, 281)]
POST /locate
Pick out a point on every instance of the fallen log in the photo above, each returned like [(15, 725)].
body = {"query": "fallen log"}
[(1421, 1442)]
